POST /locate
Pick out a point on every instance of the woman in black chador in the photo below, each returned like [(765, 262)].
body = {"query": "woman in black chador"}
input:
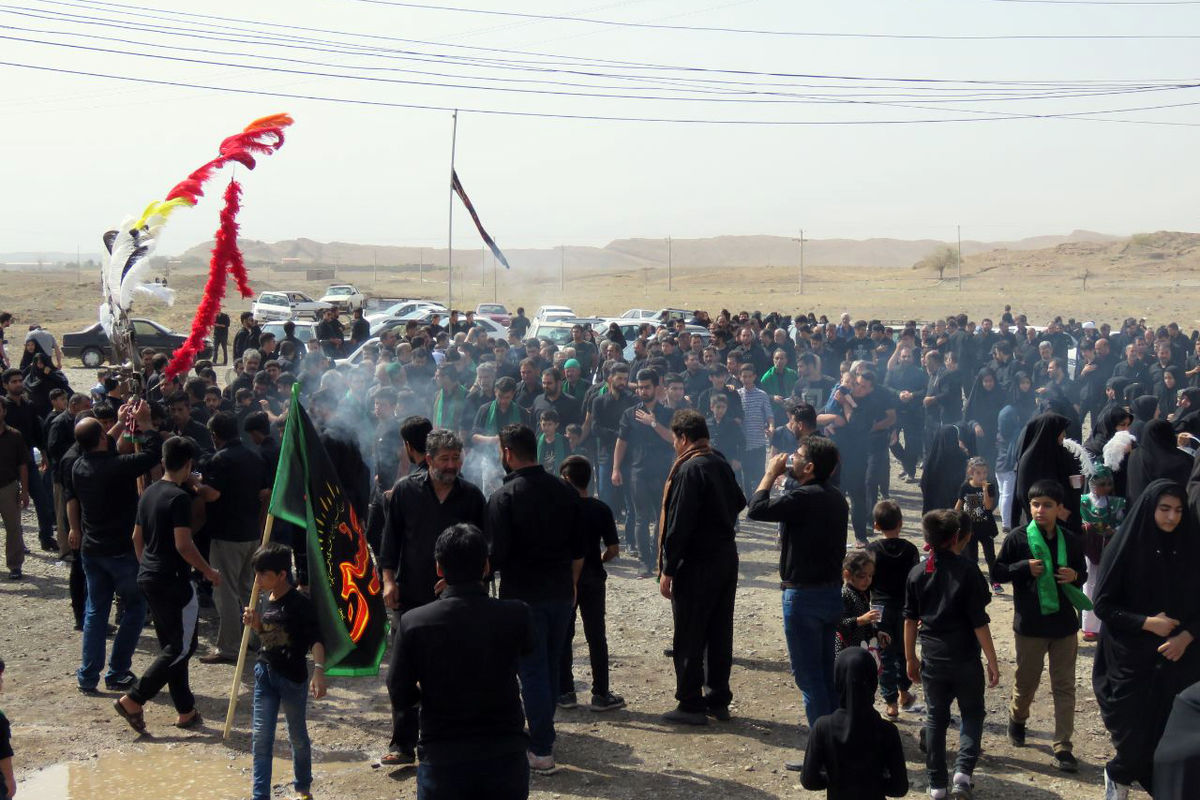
[(1146, 597)]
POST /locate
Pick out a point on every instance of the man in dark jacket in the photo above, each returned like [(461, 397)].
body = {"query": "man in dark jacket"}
[(538, 548), (698, 563), (813, 537), (421, 506), (458, 658)]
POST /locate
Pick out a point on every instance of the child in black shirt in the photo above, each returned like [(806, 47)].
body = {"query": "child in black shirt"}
[(287, 630), (600, 531), (8, 783), (977, 498), (858, 623), (948, 598), (894, 559)]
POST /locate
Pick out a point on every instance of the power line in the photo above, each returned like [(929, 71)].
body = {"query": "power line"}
[(1090, 116), (659, 26)]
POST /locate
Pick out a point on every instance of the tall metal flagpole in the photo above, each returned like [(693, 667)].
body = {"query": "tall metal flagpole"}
[(450, 233)]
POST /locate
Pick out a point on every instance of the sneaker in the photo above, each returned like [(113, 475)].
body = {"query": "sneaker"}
[(90, 691), (962, 789), (794, 766), (679, 716), (541, 765), (1064, 761), (997, 589), (120, 683), (937, 794), (217, 658), (15, 575), (399, 757), (1114, 790), (1016, 733), (1088, 636), (607, 702), (567, 700)]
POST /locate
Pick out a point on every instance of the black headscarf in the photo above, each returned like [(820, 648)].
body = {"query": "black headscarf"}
[(1157, 455), (1044, 458), (1105, 427), (983, 406), (1143, 408), (856, 677), (1118, 386), (1188, 420), (945, 470), (1054, 401), (1143, 572), (1168, 399), (1024, 401)]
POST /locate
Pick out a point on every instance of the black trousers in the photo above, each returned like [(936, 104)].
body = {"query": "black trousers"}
[(406, 722), (910, 430), (220, 346), (854, 484), (176, 613), (590, 606), (702, 607)]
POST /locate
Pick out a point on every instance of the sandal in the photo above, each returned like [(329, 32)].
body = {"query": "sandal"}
[(191, 722), (135, 718), (397, 758)]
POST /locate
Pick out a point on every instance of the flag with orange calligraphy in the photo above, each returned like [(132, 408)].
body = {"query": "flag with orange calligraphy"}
[(342, 573)]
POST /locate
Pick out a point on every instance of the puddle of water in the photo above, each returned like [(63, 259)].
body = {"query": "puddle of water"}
[(166, 774)]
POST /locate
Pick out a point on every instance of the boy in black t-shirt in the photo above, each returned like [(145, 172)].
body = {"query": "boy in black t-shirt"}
[(8, 783), (600, 532), (287, 629), (894, 559)]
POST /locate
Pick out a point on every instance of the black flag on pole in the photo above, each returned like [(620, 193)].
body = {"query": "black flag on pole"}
[(456, 185)]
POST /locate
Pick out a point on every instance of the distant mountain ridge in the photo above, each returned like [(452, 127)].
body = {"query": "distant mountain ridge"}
[(719, 251)]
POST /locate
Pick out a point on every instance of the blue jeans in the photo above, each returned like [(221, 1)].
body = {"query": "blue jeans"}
[(539, 670), (810, 619), (943, 684), (106, 576), (272, 690), (503, 777)]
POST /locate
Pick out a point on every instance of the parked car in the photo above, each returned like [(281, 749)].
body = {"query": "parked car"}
[(560, 312), (404, 308), (304, 331), (344, 297), (91, 345), (287, 305), (495, 312), (638, 313)]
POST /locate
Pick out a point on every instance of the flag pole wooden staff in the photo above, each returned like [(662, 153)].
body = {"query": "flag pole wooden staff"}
[(241, 659)]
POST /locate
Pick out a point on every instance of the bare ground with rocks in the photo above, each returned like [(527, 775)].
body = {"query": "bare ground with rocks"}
[(627, 753)]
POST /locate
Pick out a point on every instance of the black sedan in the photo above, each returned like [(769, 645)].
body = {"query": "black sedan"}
[(91, 345)]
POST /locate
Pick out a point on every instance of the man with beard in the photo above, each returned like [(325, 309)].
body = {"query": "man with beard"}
[(422, 505), (538, 548), (553, 397), (602, 423), (908, 382), (698, 562), (645, 436), (943, 395)]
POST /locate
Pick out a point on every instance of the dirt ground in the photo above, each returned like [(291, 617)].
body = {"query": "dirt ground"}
[(623, 754), (628, 753)]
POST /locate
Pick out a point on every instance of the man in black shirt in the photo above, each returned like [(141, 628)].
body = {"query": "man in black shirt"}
[(699, 566), (236, 497), (554, 397), (459, 658), (813, 544), (162, 541), (644, 436), (101, 495), (179, 414), (421, 506), (221, 338), (60, 435), (908, 382), (600, 535), (24, 418), (360, 329), (247, 337), (538, 548), (602, 423)]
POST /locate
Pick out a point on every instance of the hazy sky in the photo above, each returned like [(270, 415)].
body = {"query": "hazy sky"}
[(80, 153)]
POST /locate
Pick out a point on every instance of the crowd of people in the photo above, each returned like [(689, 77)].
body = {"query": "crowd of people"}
[(525, 466)]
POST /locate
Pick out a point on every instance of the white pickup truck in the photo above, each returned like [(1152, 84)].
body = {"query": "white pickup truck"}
[(344, 297), (286, 305)]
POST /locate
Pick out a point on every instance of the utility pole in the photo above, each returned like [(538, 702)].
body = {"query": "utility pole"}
[(800, 241), (422, 266), (668, 263), (78, 267), (959, 227), (450, 223), (495, 281), (375, 270)]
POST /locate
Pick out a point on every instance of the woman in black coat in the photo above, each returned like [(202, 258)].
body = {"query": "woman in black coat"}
[(1156, 456), (1044, 458), (945, 470)]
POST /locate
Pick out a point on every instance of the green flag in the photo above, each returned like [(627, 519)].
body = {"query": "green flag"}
[(343, 577)]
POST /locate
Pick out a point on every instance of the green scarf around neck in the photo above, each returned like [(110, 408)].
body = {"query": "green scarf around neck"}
[(1047, 586), (511, 417)]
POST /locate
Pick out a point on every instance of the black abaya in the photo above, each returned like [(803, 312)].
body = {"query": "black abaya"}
[(1144, 571), (1144, 408), (852, 753), (1044, 458), (1177, 758), (983, 406), (944, 472), (1156, 456)]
